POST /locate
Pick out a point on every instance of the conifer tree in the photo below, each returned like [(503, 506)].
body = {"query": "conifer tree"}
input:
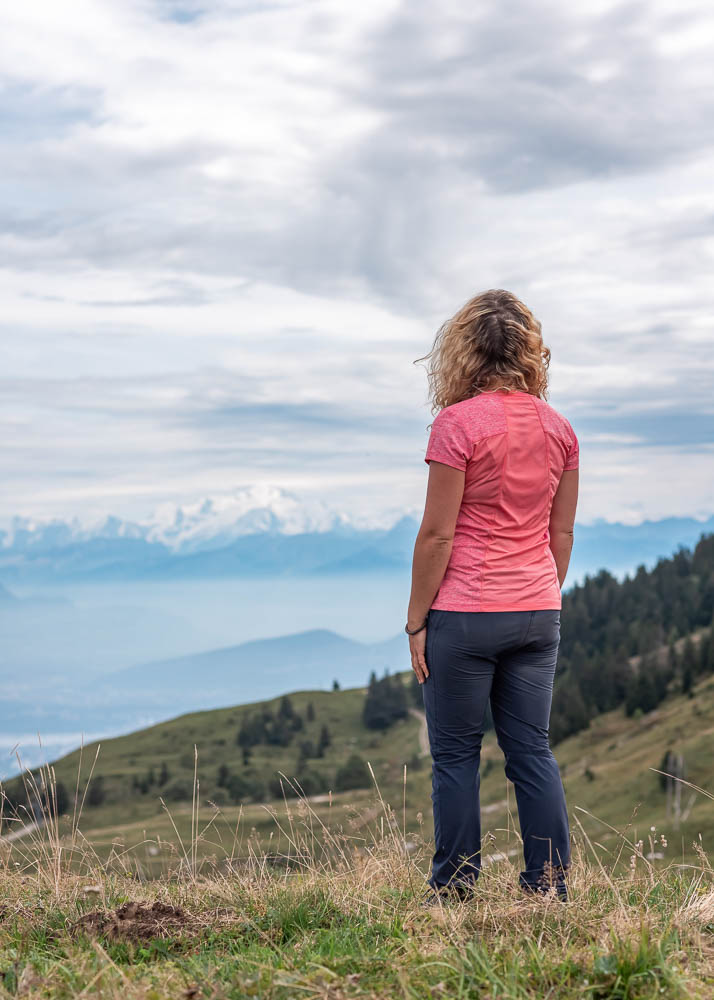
[(307, 750), (386, 701), (689, 665), (96, 793), (672, 659), (415, 689), (354, 773), (286, 712), (706, 650), (324, 741)]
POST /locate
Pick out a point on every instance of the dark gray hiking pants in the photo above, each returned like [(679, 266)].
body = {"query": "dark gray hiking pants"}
[(509, 657)]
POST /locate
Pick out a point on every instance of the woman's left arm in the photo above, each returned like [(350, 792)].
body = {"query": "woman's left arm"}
[(432, 551)]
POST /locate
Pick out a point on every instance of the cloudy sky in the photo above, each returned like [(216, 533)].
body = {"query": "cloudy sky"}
[(228, 230)]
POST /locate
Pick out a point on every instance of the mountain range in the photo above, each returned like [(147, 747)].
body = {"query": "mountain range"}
[(269, 531)]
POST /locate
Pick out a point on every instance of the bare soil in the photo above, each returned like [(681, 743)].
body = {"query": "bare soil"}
[(135, 922)]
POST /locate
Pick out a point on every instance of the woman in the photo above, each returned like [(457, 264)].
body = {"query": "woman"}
[(489, 562)]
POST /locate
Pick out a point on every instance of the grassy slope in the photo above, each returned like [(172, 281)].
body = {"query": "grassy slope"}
[(214, 733), (354, 930), (606, 771)]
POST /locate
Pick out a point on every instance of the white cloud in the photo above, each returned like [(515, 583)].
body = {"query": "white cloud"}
[(217, 216)]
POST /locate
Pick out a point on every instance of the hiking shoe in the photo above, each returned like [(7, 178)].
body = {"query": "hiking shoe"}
[(444, 894), (561, 892)]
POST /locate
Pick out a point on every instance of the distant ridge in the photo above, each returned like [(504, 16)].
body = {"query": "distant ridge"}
[(248, 671), (279, 540)]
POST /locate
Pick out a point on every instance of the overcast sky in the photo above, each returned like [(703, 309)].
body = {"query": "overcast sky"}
[(228, 229)]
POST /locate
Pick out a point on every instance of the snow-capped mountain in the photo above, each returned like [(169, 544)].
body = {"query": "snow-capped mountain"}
[(268, 531), (253, 510), (206, 524)]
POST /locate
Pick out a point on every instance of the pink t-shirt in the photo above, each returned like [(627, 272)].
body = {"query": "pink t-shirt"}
[(513, 447)]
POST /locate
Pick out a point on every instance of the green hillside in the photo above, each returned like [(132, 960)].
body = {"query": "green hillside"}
[(606, 771), (635, 682), (134, 772), (607, 626)]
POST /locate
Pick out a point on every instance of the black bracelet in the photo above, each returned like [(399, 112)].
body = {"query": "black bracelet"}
[(406, 627)]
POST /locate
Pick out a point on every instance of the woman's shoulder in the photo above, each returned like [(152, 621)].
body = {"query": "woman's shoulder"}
[(554, 417), (558, 424), (482, 414), (485, 414)]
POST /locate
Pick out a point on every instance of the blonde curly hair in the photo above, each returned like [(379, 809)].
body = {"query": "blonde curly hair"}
[(494, 341)]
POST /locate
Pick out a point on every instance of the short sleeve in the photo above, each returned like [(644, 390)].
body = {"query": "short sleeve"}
[(572, 460), (449, 441)]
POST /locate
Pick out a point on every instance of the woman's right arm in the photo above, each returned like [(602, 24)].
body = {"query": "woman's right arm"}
[(562, 521)]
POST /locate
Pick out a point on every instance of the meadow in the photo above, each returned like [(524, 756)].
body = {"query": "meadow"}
[(337, 913), (610, 774), (151, 882), (321, 896)]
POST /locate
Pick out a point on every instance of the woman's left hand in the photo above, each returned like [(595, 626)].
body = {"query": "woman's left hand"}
[(417, 648)]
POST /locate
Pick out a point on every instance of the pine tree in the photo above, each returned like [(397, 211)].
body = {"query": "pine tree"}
[(310, 782), (286, 712), (672, 659), (307, 750), (324, 741), (253, 729), (54, 800), (706, 650), (569, 712), (96, 793), (310, 712), (642, 692), (277, 732), (245, 788), (689, 665), (661, 681), (664, 766), (386, 701), (399, 699), (416, 691), (354, 773), (369, 710)]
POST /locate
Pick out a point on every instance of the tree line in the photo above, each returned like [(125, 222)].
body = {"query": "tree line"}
[(623, 644), (606, 623)]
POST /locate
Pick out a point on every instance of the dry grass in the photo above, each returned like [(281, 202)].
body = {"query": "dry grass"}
[(337, 914)]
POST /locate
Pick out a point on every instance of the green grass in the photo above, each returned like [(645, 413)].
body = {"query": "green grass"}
[(124, 758), (348, 922), (611, 787)]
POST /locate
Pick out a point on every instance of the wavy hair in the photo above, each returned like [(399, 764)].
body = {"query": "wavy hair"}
[(494, 341)]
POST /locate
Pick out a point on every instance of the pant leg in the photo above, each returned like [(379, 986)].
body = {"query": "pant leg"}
[(461, 655), (521, 697)]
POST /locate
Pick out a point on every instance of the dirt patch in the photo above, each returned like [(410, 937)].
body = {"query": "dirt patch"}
[(135, 922)]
